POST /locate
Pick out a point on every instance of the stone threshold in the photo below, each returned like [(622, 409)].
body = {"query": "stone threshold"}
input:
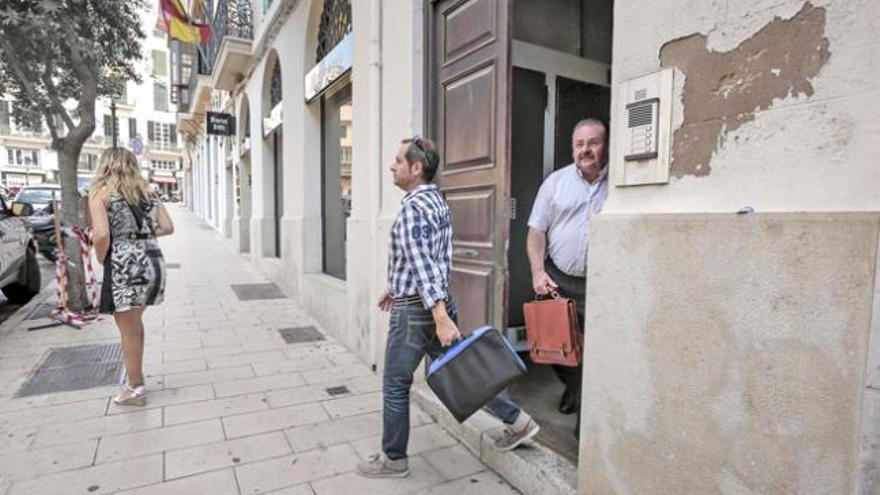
[(530, 469)]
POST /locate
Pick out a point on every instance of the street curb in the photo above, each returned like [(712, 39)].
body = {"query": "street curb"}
[(15, 319), (532, 469)]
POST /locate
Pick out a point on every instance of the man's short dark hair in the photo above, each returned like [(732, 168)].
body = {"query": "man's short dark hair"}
[(424, 151)]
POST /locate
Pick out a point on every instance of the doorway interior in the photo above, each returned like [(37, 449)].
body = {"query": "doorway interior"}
[(561, 63)]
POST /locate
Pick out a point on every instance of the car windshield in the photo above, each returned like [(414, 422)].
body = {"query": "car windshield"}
[(38, 196)]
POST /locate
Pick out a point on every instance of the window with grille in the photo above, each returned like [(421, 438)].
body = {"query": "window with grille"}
[(160, 97), (161, 136), (21, 157), (160, 63), (108, 125)]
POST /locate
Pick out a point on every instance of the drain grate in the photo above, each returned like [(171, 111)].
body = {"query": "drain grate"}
[(75, 368), (340, 390), (41, 310), (299, 335), (172, 265), (254, 292)]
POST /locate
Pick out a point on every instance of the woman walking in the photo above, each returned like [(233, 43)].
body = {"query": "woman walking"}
[(126, 220)]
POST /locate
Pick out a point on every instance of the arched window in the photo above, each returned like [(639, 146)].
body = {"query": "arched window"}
[(335, 24), (275, 88)]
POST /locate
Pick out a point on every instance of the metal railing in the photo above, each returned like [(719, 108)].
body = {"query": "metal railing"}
[(233, 18)]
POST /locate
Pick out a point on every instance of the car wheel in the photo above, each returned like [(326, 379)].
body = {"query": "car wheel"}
[(28, 283)]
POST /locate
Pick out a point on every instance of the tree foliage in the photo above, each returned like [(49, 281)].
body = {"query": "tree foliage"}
[(56, 51), (57, 57)]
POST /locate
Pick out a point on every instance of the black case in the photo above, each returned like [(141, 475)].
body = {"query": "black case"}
[(473, 371)]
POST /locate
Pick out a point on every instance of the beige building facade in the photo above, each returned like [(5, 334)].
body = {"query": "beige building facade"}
[(726, 353)]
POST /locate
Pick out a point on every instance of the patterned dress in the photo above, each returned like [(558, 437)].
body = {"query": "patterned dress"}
[(136, 267)]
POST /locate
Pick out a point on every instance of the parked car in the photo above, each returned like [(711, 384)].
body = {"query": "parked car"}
[(39, 196), (20, 278), (42, 226)]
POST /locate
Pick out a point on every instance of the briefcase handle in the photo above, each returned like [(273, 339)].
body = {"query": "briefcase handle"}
[(554, 294)]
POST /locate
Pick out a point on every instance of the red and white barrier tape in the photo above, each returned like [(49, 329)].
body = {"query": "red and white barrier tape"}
[(63, 312)]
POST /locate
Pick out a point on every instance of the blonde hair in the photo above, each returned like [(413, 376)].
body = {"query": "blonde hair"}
[(118, 174)]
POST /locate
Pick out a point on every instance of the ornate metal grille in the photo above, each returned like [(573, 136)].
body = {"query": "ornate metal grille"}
[(335, 24), (275, 88)]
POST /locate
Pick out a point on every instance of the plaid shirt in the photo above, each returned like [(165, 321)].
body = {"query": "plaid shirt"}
[(421, 247)]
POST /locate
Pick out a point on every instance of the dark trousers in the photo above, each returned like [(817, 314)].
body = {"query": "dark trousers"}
[(411, 335), (574, 288)]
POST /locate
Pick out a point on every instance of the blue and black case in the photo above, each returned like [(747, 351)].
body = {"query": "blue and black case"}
[(473, 371)]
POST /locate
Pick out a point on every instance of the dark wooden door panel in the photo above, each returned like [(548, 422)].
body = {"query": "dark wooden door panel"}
[(467, 27), (472, 286), (468, 105), (468, 108)]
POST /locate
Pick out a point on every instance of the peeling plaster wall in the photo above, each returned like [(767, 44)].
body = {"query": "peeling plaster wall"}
[(780, 108), (748, 369)]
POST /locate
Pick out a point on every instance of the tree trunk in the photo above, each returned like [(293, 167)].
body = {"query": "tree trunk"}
[(72, 215)]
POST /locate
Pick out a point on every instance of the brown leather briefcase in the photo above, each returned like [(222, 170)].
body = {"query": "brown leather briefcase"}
[(552, 331)]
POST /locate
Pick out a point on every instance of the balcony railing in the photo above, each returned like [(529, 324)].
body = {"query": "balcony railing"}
[(234, 18)]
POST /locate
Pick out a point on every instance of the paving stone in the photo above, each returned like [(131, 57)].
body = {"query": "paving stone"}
[(209, 376), (421, 439), (31, 463), (354, 405), (336, 374), (59, 433), (41, 401), (296, 395), (201, 353), (107, 478), (14, 439), (484, 483), (307, 363), (160, 368), (259, 384), (421, 476), (246, 358), (52, 414), (230, 453), (214, 483), (364, 384), (304, 489), (152, 441), (454, 462), (273, 419), (170, 396), (326, 433), (288, 471), (195, 411)]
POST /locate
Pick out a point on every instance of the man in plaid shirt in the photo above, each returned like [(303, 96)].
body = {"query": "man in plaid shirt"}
[(422, 313)]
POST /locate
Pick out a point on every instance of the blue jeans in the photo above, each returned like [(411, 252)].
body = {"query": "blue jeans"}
[(410, 337)]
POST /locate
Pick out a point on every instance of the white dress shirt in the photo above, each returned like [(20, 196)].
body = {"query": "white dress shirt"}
[(562, 210)]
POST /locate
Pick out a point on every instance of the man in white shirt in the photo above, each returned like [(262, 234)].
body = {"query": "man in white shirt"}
[(559, 236)]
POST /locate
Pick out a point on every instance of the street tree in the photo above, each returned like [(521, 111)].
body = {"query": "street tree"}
[(57, 57)]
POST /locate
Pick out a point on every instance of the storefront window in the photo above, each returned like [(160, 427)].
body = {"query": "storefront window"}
[(338, 137)]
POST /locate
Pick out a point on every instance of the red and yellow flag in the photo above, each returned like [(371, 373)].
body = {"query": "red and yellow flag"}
[(174, 21)]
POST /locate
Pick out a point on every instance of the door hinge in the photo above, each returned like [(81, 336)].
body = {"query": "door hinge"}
[(513, 208)]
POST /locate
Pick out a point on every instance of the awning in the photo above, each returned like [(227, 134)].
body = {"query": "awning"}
[(158, 179)]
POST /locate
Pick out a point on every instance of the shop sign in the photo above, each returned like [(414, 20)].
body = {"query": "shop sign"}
[(330, 69), (220, 124)]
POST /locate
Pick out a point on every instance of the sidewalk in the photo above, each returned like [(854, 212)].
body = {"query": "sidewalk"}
[(233, 408)]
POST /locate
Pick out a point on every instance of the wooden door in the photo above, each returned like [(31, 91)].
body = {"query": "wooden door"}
[(468, 111)]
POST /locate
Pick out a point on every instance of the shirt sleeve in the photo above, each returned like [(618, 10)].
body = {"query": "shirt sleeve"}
[(539, 219), (420, 236)]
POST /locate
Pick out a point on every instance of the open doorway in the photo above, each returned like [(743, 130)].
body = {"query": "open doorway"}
[(561, 62), (506, 82)]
